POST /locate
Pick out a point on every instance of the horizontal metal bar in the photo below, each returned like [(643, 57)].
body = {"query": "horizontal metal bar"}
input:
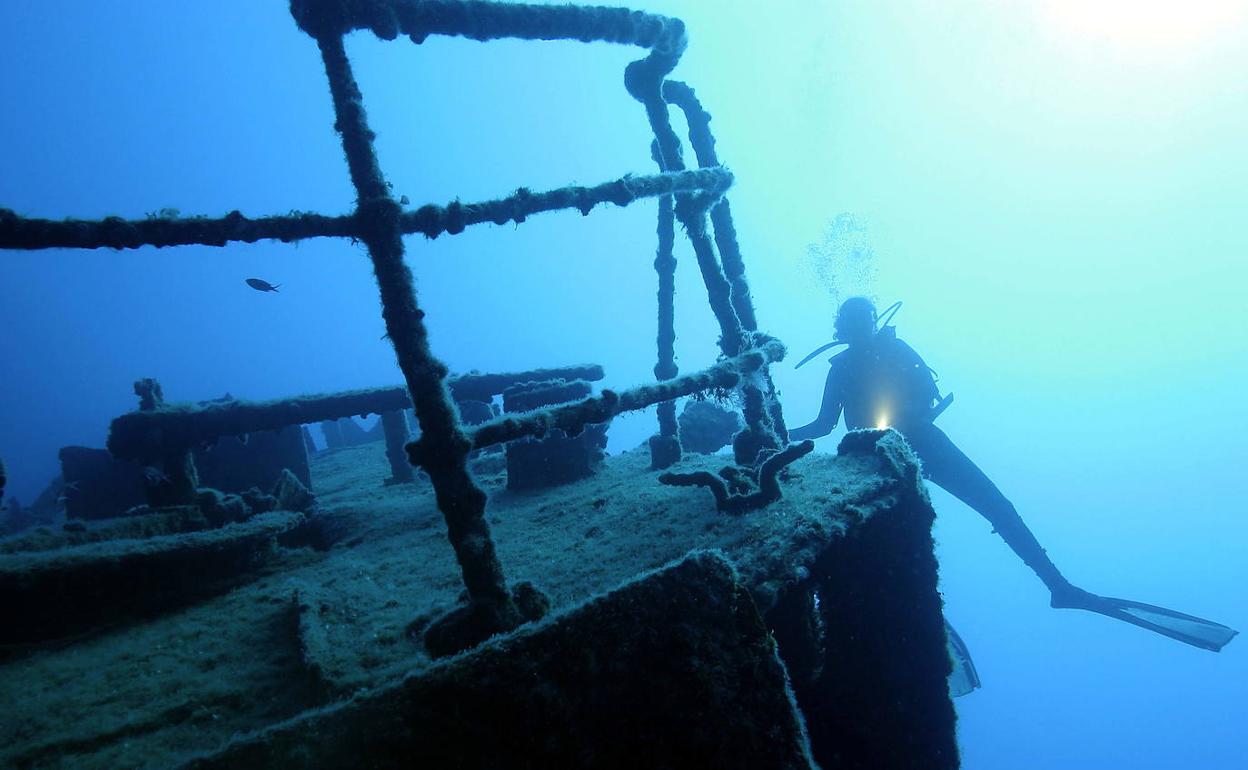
[(570, 418), (483, 21), (24, 233), (435, 220), (143, 435), (117, 233)]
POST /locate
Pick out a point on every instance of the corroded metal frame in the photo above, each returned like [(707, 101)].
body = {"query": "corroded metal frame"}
[(379, 221)]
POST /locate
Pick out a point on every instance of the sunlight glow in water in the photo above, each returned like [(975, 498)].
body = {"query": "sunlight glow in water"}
[(1144, 25)]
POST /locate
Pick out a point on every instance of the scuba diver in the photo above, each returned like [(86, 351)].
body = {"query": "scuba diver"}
[(879, 381)]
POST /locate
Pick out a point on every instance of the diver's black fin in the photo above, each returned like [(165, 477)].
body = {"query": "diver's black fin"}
[(963, 679), (1188, 629)]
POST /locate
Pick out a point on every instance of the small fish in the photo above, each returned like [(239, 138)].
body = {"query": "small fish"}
[(63, 498), (155, 475), (261, 285)]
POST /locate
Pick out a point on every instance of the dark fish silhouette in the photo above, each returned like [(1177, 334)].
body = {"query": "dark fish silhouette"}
[(261, 285)]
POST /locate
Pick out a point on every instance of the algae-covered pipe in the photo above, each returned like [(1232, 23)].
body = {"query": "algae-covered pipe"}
[(665, 449), (571, 418), (152, 432), (702, 140), (482, 387), (461, 501), (644, 80), (431, 221), (18, 232), (484, 21), (394, 426), (140, 434)]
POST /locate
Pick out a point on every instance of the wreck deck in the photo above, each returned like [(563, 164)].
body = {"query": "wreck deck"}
[(316, 626)]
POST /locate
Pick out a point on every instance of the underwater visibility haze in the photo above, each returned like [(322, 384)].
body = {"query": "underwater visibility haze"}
[(1052, 190)]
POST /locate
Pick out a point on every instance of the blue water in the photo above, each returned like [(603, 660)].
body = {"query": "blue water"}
[(1060, 206)]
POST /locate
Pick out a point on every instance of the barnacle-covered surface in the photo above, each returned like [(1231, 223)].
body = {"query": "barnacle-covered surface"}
[(317, 626), (715, 659)]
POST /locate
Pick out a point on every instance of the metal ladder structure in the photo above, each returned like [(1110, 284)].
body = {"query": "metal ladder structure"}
[(694, 197)]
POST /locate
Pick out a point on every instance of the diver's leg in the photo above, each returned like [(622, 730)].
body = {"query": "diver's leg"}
[(947, 466), (950, 468)]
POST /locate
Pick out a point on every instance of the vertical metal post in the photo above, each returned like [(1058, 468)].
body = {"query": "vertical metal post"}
[(443, 446), (644, 80), (394, 427), (665, 447)]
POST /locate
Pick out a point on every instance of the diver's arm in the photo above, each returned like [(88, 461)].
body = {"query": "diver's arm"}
[(829, 412)]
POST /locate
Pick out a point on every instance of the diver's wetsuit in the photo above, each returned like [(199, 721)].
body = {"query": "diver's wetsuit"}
[(887, 383)]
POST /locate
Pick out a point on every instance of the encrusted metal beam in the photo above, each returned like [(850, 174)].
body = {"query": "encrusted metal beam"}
[(665, 447), (703, 143), (484, 21), (153, 432), (763, 413), (491, 608), (572, 417), (18, 232)]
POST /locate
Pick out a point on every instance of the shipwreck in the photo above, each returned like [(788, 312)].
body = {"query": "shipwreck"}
[(229, 594)]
